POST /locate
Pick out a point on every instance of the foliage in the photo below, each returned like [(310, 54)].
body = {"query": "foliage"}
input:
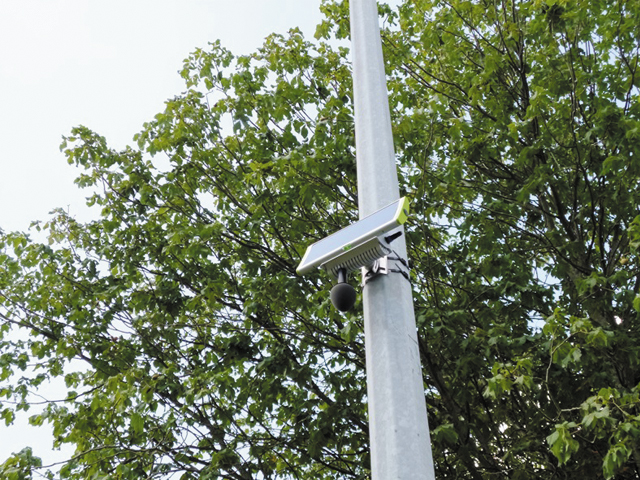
[(517, 132), (20, 465)]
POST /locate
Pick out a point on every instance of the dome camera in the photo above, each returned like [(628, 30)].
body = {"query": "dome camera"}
[(343, 295)]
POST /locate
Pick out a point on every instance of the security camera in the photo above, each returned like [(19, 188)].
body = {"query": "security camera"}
[(343, 295), (358, 245)]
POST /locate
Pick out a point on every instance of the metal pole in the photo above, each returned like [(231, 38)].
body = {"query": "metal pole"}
[(398, 428)]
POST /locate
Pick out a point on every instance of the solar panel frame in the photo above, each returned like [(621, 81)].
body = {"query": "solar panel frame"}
[(354, 235)]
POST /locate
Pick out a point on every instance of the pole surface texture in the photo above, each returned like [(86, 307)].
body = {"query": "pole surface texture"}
[(398, 427)]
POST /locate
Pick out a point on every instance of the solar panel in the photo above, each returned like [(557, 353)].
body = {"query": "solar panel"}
[(350, 241)]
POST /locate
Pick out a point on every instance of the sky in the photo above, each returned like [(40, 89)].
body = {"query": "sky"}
[(108, 65)]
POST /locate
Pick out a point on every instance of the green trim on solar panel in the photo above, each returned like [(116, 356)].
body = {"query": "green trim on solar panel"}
[(372, 226)]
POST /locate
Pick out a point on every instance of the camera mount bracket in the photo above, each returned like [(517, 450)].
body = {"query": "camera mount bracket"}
[(381, 267)]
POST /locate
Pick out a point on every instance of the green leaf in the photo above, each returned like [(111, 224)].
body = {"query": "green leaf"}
[(617, 455), (562, 444), (137, 424)]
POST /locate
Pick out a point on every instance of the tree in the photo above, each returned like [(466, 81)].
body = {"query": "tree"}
[(516, 127)]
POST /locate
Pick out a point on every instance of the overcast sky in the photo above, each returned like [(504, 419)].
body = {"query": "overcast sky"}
[(108, 65)]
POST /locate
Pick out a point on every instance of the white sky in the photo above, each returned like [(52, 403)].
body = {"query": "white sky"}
[(108, 65)]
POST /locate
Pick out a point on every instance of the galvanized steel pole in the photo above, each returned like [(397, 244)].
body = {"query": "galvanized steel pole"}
[(399, 432)]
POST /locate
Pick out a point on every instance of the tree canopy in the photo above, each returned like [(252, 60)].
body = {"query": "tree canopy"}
[(190, 347)]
